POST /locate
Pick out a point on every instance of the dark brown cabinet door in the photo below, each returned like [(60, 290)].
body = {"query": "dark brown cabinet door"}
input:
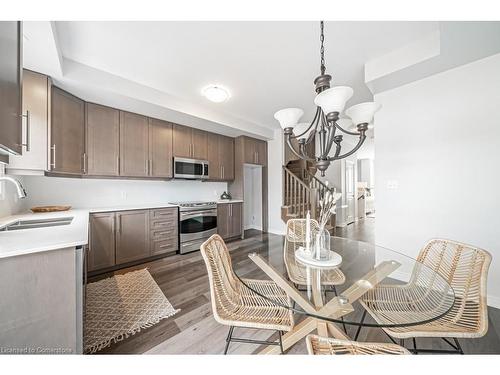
[(213, 153), (67, 132), (236, 214), (134, 141), (223, 220), (132, 236), (249, 149), (11, 38), (160, 148), (199, 147), (102, 241), (226, 157), (182, 139), (261, 150), (103, 140)]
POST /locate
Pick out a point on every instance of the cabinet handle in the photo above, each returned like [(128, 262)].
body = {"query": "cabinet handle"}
[(84, 157), (230, 210), (53, 164), (28, 131), (119, 224), (150, 167), (118, 164)]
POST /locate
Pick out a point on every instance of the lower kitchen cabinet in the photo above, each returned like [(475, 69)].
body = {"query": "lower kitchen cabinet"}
[(101, 241), (132, 236), (118, 238), (229, 220)]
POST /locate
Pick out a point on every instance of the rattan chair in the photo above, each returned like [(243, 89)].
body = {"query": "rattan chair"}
[(465, 268), (235, 305), (317, 345)]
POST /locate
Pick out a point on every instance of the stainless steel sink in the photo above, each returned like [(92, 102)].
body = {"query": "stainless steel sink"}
[(36, 223)]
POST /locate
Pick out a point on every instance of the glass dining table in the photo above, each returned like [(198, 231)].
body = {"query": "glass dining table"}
[(404, 291)]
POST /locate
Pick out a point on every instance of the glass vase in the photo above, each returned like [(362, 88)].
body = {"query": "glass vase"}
[(322, 245)]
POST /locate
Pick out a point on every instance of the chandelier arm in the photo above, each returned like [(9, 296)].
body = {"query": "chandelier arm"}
[(289, 143), (345, 131), (306, 157), (331, 138), (356, 148), (308, 128)]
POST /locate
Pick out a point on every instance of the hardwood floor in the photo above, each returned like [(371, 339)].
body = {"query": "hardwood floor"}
[(184, 280)]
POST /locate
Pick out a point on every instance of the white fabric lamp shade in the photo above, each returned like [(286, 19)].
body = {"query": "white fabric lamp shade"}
[(288, 117), (362, 113), (333, 99), (301, 128)]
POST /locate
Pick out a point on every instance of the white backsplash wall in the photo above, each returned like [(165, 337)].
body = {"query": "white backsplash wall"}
[(95, 193)]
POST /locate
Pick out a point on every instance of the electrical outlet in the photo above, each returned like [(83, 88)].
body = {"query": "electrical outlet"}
[(392, 184)]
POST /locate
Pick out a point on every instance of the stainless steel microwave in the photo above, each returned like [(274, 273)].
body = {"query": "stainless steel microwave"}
[(190, 169)]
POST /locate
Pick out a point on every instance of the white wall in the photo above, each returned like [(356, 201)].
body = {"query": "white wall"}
[(108, 193), (10, 204), (275, 152), (438, 139), (253, 197)]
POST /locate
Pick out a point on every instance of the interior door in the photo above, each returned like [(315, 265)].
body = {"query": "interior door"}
[(134, 142), (132, 236), (103, 140), (350, 185), (160, 148)]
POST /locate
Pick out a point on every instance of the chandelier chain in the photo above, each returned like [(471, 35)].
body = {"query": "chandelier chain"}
[(322, 48)]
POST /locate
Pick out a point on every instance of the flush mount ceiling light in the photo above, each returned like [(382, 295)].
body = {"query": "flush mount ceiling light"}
[(215, 93), (326, 127)]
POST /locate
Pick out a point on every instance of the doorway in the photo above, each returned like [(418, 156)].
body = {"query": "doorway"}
[(252, 179)]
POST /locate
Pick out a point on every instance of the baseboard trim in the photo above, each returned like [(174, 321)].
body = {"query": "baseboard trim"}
[(280, 232), (494, 301)]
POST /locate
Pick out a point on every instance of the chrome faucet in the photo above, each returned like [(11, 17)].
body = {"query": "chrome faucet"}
[(21, 192)]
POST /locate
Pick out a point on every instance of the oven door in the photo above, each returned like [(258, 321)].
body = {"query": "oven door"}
[(190, 168), (197, 224)]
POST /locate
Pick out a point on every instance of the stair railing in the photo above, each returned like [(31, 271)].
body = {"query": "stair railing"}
[(298, 195)]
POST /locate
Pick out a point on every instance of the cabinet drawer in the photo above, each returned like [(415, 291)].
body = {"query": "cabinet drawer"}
[(164, 224), (165, 246), (164, 234), (163, 213)]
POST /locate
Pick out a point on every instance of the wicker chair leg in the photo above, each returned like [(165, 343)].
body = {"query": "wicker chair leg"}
[(228, 339), (415, 350), (280, 334), (458, 346), (360, 326)]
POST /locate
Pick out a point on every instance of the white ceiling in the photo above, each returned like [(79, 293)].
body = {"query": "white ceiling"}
[(266, 65)]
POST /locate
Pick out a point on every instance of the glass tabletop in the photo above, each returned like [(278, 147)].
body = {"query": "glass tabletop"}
[(397, 289)]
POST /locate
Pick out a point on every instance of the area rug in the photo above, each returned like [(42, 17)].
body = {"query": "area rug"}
[(121, 306)]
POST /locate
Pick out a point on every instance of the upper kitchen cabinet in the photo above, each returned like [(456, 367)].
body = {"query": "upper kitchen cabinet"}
[(226, 157), (134, 142), (103, 140), (199, 144), (255, 151), (160, 148), (220, 157), (10, 87), (34, 159), (189, 142), (67, 133)]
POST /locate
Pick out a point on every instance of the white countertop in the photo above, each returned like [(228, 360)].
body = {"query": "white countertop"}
[(130, 207), (27, 241), (223, 201)]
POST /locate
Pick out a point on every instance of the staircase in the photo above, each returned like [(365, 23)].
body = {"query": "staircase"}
[(301, 192)]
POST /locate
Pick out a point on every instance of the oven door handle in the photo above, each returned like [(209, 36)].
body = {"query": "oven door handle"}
[(197, 213)]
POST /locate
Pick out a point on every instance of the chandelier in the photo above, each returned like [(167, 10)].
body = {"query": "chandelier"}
[(325, 128)]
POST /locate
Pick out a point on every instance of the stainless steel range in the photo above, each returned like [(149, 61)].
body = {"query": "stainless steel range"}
[(197, 222)]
